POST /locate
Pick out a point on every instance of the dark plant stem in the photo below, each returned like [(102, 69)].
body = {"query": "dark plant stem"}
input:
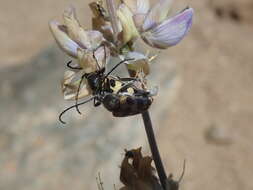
[(154, 148)]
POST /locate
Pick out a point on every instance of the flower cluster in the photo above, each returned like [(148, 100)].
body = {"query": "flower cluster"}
[(93, 48), (152, 24)]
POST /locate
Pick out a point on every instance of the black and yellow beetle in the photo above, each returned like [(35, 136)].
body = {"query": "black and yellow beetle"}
[(121, 96)]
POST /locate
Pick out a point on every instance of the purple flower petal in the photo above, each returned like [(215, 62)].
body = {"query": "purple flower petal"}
[(62, 39), (171, 31), (157, 14)]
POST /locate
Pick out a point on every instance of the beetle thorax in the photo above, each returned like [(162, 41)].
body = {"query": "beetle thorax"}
[(94, 81)]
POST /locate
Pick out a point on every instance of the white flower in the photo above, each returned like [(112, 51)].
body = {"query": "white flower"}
[(79, 43), (72, 36), (153, 24)]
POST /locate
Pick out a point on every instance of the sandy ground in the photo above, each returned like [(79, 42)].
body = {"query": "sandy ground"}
[(205, 118)]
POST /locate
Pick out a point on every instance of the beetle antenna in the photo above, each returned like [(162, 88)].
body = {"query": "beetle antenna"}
[(94, 56), (71, 67), (77, 94), (123, 61), (126, 86), (104, 54), (96, 60), (69, 108)]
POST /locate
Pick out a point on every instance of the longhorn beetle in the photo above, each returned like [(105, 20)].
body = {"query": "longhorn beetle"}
[(121, 96)]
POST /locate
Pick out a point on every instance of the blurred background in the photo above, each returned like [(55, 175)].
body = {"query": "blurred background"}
[(203, 112)]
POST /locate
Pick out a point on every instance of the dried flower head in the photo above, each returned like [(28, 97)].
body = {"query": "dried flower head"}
[(138, 173)]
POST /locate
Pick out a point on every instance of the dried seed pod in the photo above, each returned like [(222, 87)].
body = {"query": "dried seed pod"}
[(100, 21), (139, 172), (128, 175), (136, 155), (145, 170)]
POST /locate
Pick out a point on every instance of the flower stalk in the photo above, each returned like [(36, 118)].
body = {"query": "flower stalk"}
[(154, 148)]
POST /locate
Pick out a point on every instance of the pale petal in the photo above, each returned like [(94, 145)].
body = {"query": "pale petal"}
[(153, 91), (140, 62), (142, 6), (129, 29), (95, 38), (94, 60), (138, 20), (74, 29), (170, 31), (70, 85), (137, 6), (71, 22), (102, 54), (62, 39), (86, 60), (132, 5), (156, 14), (135, 55)]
